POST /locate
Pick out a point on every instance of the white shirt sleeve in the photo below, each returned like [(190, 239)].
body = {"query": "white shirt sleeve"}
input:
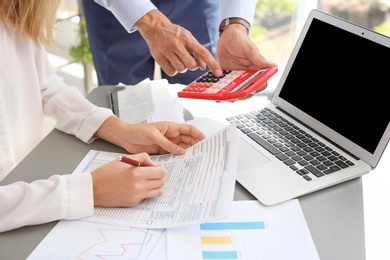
[(128, 12), (72, 112), (30, 90), (42, 201), (244, 9)]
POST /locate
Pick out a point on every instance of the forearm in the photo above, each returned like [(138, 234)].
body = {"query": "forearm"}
[(74, 114), (115, 131), (42, 201), (150, 22)]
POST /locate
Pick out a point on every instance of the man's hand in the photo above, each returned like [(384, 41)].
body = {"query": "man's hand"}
[(173, 47), (235, 50)]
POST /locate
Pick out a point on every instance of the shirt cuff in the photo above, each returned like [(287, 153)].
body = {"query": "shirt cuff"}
[(128, 12), (92, 123), (238, 8), (79, 195)]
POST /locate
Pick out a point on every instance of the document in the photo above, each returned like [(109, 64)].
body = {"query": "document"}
[(199, 185), (148, 101), (252, 231), (135, 103)]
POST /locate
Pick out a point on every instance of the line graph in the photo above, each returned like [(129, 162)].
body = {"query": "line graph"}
[(127, 243), (88, 240)]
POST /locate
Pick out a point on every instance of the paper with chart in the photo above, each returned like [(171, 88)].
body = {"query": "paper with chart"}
[(77, 239), (199, 185), (252, 231)]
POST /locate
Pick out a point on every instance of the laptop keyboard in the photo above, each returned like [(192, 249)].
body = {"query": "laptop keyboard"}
[(303, 153)]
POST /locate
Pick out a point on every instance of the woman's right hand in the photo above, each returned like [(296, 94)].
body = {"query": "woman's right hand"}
[(118, 184)]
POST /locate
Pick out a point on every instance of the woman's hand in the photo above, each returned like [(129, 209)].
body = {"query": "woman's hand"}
[(118, 184), (153, 138)]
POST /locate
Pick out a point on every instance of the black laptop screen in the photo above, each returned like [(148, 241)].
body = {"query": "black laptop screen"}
[(342, 80)]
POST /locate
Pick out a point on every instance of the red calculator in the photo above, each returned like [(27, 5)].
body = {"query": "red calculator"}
[(231, 86)]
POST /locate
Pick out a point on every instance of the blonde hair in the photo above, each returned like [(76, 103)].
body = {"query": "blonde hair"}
[(33, 18)]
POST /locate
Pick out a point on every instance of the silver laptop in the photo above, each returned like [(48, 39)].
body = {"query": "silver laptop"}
[(328, 119)]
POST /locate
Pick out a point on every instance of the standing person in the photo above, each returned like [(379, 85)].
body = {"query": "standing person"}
[(181, 36), (30, 91)]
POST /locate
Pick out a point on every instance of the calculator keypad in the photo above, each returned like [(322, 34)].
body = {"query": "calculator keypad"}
[(210, 84), (231, 86)]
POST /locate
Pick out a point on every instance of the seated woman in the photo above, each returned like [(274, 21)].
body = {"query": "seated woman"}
[(30, 91)]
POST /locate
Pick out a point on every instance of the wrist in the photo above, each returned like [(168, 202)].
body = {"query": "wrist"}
[(153, 20), (239, 22), (112, 130)]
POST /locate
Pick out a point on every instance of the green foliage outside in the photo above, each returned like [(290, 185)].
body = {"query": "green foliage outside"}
[(383, 28), (263, 8), (276, 6), (81, 52)]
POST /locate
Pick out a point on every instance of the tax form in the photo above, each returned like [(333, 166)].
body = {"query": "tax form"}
[(199, 185)]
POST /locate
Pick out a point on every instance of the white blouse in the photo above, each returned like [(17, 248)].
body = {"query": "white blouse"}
[(30, 91)]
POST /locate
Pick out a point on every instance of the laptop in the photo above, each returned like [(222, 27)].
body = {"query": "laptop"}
[(328, 119)]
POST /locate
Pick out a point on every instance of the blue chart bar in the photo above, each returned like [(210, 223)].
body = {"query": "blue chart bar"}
[(220, 255), (232, 225), (229, 240)]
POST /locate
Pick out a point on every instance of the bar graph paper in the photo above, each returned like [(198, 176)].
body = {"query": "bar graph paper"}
[(232, 240), (251, 232)]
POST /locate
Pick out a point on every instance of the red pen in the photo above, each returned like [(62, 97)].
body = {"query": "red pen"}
[(130, 161)]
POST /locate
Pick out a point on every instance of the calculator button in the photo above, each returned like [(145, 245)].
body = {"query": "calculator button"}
[(208, 83)]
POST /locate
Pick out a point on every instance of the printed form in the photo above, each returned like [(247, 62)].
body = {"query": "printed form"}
[(199, 185)]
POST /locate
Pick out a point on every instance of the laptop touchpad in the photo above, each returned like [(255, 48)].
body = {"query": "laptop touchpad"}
[(248, 156)]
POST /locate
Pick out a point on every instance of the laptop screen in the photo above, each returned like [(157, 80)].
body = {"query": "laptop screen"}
[(342, 79)]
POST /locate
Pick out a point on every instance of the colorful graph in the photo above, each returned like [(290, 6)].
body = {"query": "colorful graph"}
[(88, 240), (121, 243), (232, 240), (251, 232)]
